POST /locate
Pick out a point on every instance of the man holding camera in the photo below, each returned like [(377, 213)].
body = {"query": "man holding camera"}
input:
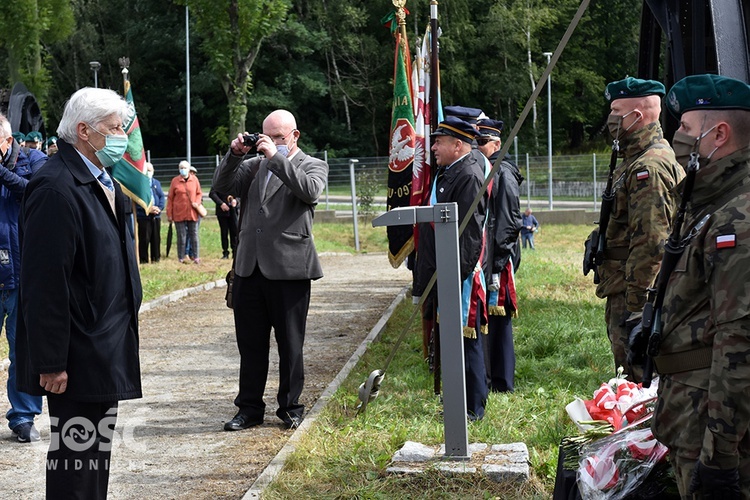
[(275, 262)]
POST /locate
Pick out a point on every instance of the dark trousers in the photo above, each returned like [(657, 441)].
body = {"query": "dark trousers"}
[(476, 381), (259, 305), (500, 357), (79, 454), (149, 234), (228, 226)]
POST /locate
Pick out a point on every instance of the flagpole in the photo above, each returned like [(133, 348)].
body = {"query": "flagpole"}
[(434, 78), (187, 80), (124, 63)]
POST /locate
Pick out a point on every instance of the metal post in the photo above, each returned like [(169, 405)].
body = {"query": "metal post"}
[(352, 161), (325, 159), (445, 218), (95, 65), (549, 127), (515, 146), (594, 155), (528, 183), (187, 80)]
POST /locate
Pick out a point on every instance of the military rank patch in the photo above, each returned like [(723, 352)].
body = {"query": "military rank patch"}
[(726, 241), (642, 175)]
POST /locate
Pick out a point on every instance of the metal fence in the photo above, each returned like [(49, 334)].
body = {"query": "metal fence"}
[(576, 181)]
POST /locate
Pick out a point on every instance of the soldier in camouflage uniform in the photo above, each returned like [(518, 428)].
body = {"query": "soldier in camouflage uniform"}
[(703, 411), (640, 220)]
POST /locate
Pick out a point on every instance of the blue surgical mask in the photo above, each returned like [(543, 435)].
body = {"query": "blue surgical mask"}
[(283, 150), (114, 147), (184, 172)]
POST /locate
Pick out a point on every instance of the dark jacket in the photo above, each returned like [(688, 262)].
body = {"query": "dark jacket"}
[(460, 183), (276, 228), (220, 198), (14, 176), (80, 288), (503, 217), (159, 201)]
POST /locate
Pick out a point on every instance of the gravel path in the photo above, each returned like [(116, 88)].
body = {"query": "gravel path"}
[(170, 444)]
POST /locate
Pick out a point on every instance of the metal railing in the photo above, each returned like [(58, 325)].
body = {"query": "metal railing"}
[(577, 180)]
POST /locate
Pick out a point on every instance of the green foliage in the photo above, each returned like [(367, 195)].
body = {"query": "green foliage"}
[(368, 186), (328, 62), (24, 32), (231, 34), (561, 350)]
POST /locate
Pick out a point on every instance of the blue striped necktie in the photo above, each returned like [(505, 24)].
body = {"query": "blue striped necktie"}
[(104, 179)]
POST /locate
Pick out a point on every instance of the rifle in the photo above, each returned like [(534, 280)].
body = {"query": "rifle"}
[(673, 250), (598, 243)]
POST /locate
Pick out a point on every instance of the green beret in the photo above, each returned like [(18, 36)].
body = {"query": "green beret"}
[(633, 87), (19, 137), (708, 92), (34, 136)]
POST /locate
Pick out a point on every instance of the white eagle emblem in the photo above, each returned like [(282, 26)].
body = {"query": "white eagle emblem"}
[(402, 146)]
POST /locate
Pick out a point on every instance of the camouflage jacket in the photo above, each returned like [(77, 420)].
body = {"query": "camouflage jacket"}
[(707, 307), (640, 220)]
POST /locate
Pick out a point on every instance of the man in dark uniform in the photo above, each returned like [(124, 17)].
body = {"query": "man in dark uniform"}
[(459, 179), (503, 225)]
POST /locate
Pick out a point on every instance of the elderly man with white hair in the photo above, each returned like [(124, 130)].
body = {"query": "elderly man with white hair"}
[(77, 338)]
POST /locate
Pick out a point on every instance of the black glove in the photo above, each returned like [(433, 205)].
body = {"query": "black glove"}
[(637, 345), (716, 484)]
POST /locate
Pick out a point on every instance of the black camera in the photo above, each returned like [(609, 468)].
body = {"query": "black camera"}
[(250, 140)]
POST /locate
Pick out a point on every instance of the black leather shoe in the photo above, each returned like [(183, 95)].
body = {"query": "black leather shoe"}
[(241, 421), (292, 421)]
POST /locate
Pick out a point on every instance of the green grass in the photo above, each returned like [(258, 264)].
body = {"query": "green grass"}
[(561, 351)]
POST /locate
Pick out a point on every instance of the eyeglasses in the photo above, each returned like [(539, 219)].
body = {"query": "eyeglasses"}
[(277, 138), (484, 142)]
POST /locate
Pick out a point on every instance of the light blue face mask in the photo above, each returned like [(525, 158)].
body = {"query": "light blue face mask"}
[(283, 150), (114, 147), (184, 172)]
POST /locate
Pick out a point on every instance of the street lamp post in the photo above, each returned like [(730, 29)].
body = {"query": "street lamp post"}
[(95, 68), (549, 127)]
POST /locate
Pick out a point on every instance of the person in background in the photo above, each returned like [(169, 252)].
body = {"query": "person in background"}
[(501, 259), (149, 225), (51, 145), (16, 168), (77, 338), (529, 226), (184, 195), (226, 214), (34, 140), (20, 138)]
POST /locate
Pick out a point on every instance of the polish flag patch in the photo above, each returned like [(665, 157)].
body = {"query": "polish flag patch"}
[(642, 175), (726, 241)]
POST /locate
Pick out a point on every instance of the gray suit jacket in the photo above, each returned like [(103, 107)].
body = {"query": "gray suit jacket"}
[(276, 229)]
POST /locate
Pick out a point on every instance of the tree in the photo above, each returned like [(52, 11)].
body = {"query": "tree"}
[(231, 33), (24, 31)]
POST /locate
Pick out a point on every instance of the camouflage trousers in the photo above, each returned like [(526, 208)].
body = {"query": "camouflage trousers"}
[(618, 333), (680, 422)]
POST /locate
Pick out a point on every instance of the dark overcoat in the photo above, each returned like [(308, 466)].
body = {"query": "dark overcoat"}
[(80, 287), (460, 183)]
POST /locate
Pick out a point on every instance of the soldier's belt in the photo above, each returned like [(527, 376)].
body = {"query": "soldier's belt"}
[(616, 253), (684, 361)]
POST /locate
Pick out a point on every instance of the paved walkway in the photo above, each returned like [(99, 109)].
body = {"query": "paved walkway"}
[(170, 443)]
